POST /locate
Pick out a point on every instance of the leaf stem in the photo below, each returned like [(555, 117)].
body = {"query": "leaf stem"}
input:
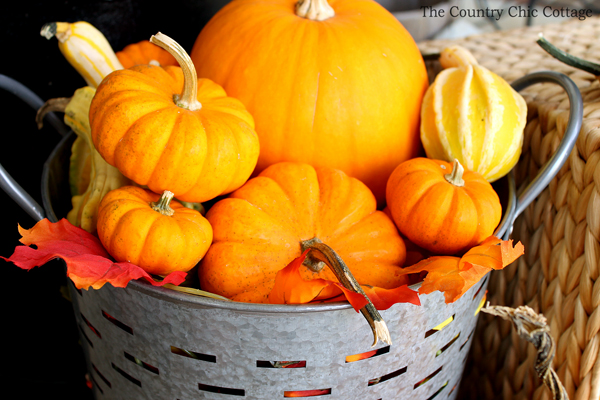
[(320, 252)]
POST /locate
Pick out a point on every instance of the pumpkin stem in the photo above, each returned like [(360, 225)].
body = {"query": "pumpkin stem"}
[(455, 177), (315, 10), (61, 30), (456, 57), (59, 104), (321, 252), (189, 97), (162, 205)]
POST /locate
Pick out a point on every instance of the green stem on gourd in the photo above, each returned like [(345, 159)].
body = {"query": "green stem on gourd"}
[(567, 58), (455, 177), (189, 96), (163, 204), (321, 254), (315, 10)]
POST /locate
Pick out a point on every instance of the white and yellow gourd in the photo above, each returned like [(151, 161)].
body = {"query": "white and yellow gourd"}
[(85, 48), (103, 177), (473, 115)]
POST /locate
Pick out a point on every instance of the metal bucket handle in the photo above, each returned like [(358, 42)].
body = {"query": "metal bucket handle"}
[(558, 159), (514, 207), (7, 183)]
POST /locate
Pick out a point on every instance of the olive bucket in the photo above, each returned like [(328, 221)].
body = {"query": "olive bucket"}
[(146, 342)]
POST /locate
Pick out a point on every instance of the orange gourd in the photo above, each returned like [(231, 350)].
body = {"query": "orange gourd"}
[(156, 233), (261, 227), (164, 128), (440, 206), (336, 85), (144, 52)]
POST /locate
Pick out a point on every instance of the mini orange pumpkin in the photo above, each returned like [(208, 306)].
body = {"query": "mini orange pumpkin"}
[(441, 207), (151, 231), (144, 52), (261, 227), (163, 128)]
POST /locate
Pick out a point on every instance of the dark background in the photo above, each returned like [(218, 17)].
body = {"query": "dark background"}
[(39, 334)]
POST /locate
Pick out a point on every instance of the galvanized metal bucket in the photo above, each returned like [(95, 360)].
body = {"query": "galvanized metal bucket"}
[(144, 342)]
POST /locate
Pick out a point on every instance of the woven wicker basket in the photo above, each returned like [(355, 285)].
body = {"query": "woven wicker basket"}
[(558, 276)]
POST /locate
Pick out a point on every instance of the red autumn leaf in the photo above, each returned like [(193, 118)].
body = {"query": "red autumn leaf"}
[(291, 288), (454, 276), (88, 263)]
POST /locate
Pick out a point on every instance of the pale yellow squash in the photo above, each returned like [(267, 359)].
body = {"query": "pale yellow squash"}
[(473, 115)]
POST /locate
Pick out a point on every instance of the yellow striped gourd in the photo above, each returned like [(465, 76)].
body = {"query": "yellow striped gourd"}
[(85, 48), (473, 115)]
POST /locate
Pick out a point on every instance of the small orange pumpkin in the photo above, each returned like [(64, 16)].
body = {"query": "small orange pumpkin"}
[(441, 207), (261, 227), (151, 231), (167, 130), (144, 52)]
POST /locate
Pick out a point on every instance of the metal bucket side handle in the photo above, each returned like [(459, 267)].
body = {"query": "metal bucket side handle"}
[(558, 159), (7, 183)]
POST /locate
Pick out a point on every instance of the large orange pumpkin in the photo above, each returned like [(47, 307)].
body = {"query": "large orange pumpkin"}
[(164, 128), (338, 86), (442, 207), (261, 227)]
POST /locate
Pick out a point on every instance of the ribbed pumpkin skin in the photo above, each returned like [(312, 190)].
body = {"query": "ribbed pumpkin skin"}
[(142, 53), (437, 215), (259, 228), (198, 155), (132, 231), (343, 93), (473, 115)]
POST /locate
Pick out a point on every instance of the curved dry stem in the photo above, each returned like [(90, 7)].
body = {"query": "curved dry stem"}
[(53, 105), (189, 97), (322, 253), (456, 176)]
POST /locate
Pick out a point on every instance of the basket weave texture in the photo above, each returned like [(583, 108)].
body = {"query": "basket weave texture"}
[(558, 276)]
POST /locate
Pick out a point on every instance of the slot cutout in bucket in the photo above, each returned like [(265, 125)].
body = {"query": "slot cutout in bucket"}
[(480, 286), (307, 393), (447, 345), (142, 364), (438, 391), (117, 323), (92, 328), (428, 378), (387, 377), (106, 381), (280, 364), (440, 326), (193, 354), (126, 375), (221, 390), (367, 354), (85, 336)]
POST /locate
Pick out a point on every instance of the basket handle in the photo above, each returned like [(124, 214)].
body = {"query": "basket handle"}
[(7, 183), (558, 159)]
